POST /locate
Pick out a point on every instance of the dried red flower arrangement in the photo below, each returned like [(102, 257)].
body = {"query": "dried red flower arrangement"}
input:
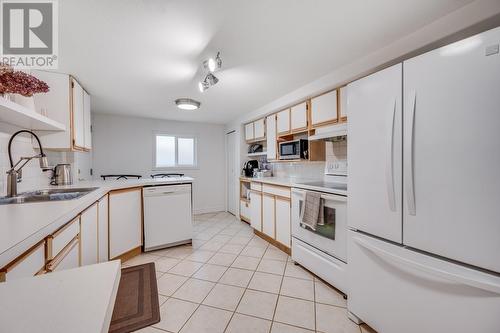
[(17, 82)]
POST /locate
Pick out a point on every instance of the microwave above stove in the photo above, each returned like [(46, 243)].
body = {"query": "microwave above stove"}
[(294, 150)]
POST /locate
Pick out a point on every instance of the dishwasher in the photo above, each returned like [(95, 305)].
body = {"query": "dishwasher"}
[(167, 216)]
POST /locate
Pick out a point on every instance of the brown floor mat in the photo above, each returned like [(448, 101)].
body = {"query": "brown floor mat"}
[(136, 303)]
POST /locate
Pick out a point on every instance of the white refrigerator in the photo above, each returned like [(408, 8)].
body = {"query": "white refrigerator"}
[(424, 191)]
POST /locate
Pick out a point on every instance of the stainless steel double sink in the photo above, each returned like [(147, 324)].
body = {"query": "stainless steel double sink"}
[(55, 194)]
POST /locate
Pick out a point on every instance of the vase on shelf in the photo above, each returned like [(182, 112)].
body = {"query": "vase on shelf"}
[(27, 102)]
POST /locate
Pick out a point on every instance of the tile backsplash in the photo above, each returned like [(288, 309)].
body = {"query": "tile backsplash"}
[(32, 176), (335, 152)]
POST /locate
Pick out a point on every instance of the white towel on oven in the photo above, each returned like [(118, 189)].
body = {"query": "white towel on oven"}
[(312, 214)]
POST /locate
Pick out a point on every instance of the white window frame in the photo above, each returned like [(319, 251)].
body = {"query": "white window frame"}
[(176, 166)]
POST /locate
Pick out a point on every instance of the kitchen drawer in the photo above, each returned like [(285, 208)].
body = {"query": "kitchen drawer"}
[(256, 186), (68, 258), (59, 239), (281, 191), (245, 209), (28, 264)]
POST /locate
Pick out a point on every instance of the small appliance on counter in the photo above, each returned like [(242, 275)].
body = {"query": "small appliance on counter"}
[(262, 173), (294, 150), (249, 166), (255, 148), (61, 175)]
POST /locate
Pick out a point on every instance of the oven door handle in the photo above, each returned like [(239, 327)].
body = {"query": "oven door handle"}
[(337, 198)]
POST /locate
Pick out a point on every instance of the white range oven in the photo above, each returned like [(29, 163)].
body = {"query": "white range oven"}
[(322, 251)]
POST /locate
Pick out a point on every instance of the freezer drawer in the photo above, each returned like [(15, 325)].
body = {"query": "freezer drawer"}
[(396, 290)]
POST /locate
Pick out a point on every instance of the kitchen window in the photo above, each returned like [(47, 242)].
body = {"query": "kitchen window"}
[(172, 151)]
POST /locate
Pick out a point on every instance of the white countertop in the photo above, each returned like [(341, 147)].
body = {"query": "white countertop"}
[(22, 225), (79, 300), (299, 183)]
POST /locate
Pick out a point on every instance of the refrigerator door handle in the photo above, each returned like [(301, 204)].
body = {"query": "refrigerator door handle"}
[(408, 168), (390, 161), (464, 279)]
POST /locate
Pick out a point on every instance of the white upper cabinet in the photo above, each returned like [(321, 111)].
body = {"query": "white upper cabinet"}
[(271, 137), (68, 104), (87, 139), (298, 114), (343, 104), (78, 115), (324, 109), (283, 121), (249, 132), (259, 129)]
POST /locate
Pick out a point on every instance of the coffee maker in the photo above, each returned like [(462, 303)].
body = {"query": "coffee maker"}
[(249, 166)]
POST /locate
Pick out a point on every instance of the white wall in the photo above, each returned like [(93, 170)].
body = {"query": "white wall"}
[(124, 144)]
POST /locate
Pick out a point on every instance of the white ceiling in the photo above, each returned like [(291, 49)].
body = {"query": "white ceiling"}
[(136, 57)]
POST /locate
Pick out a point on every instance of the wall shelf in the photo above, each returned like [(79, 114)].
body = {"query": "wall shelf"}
[(20, 116), (261, 153)]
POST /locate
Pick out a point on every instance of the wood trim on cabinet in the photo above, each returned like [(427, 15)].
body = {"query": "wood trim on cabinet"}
[(50, 238), (19, 259), (244, 219), (73, 145), (129, 254), (128, 189), (274, 242), (51, 265)]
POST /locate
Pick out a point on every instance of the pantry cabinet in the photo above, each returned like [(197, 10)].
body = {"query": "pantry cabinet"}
[(324, 109), (102, 233), (125, 221), (89, 236), (271, 137), (298, 117), (283, 122), (68, 103)]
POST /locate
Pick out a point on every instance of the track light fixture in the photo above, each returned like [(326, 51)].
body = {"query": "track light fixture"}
[(210, 65)]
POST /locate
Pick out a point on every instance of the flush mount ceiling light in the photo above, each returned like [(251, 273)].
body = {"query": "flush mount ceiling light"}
[(187, 104), (210, 80)]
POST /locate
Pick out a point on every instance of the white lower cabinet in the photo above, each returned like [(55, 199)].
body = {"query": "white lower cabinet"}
[(282, 207), (68, 258), (268, 214), (29, 264), (102, 231), (256, 210), (125, 221), (244, 209), (88, 236)]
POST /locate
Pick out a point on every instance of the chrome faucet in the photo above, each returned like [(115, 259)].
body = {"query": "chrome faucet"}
[(15, 175)]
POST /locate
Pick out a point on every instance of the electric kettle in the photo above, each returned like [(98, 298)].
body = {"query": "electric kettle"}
[(62, 175)]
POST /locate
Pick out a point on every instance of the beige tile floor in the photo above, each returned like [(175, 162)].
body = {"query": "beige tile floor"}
[(229, 280)]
